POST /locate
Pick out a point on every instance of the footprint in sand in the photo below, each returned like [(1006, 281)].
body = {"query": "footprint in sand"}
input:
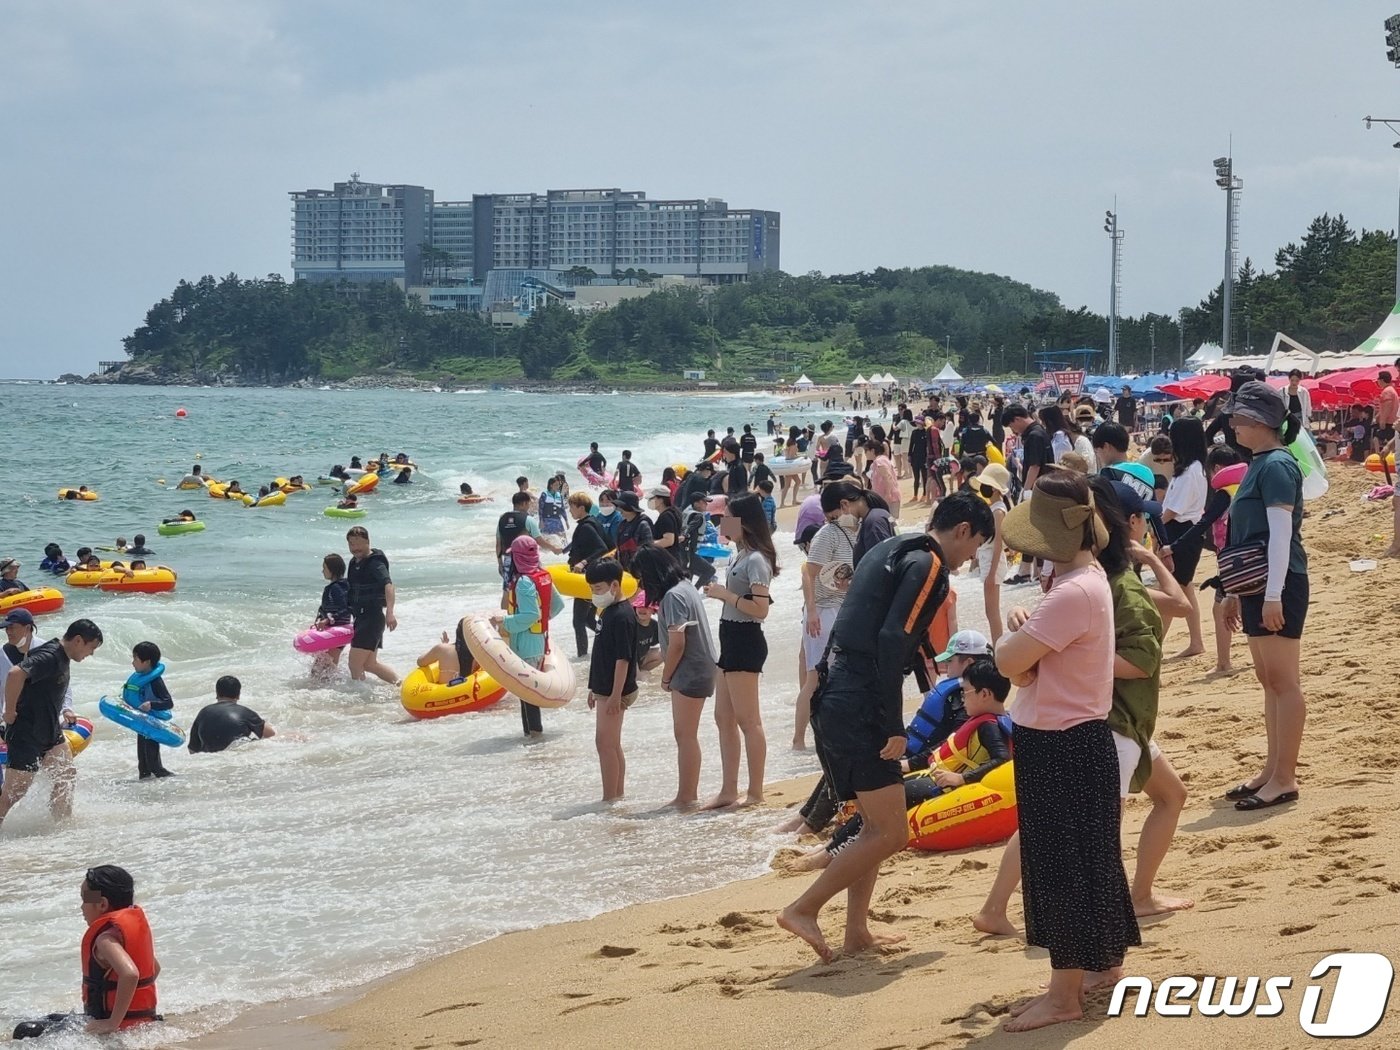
[(612, 951), (614, 1001)]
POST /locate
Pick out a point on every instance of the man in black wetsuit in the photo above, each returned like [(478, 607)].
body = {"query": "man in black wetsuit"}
[(225, 720), (858, 712), (627, 473), (597, 462), (371, 606), (711, 444), (33, 715), (747, 444)]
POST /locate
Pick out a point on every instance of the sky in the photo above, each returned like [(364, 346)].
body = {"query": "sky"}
[(147, 141)]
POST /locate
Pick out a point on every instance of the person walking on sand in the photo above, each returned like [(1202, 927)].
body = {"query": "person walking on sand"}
[(371, 606), (858, 711)]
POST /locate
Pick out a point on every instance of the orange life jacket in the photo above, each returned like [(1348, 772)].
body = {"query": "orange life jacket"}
[(100, 984), (544, 586), (939, 631)]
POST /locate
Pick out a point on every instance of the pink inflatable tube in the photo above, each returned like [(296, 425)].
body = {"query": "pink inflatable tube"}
[(318, 641)]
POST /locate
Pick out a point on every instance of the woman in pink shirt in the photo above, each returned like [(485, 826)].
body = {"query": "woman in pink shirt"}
[(882, 476), (1076, 895)]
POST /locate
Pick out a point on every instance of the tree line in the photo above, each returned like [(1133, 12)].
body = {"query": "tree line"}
[(1329, 291)]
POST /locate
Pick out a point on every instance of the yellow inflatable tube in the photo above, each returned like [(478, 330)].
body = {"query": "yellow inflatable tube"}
[(423, 697), (550, 685), (75, 494), (364, 483), (571, 584), (994, 454), (275, 499), (219, 490)]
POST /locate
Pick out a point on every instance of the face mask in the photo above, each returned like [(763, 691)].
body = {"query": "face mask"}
[(848, 522), (606, 512), (602, 601)]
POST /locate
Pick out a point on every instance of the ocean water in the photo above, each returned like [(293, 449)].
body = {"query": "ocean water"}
[(357, 841)]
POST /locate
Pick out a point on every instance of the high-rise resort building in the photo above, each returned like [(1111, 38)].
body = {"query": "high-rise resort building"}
[(364, 231), (361, 231)]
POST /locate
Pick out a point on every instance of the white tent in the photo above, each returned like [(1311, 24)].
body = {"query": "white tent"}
[(1385, 340), (1206, 354), (860, 380), (948, 375), (804, 383)]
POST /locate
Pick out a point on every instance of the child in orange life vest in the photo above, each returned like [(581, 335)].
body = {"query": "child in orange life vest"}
[(972, 751), (118, 957)]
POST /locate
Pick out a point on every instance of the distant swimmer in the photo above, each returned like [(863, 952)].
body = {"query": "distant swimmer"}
[(139, 548), (226, 720), (404, 476), (194, 479)]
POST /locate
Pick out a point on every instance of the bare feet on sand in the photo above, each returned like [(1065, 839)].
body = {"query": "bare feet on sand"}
[(994, 923), (1101, 979), (1188, 652), (805, 926), (858, 944), (682, 805), (1041, 1013), (1222, 672), (1160, 905), (799, 745), (721, 802), (793, 823), (1391, 552)]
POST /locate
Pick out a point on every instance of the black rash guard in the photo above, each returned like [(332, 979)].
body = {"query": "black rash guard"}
[(894, 595)]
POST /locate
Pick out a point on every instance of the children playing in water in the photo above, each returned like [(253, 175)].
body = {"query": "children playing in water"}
[(334, 610), (147, 694), (54, 562), (179, 519), (350, 502), (612, 671)]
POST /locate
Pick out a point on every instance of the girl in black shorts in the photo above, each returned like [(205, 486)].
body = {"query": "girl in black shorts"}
[(742, 648)]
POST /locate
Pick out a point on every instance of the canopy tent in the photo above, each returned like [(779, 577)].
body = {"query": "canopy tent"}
[(1206, 355), (1385, 340), (804, 383), (1202, 386), (859, 380), (948, 375)]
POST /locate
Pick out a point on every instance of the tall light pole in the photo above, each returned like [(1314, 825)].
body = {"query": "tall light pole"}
[(1152, 338), (1110, 227), (1226, 180)]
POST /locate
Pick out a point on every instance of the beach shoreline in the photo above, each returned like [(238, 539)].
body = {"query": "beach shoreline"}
[(713, 964)]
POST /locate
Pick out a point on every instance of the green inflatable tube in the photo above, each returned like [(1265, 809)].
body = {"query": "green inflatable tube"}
[(338, 512), (179, 528)]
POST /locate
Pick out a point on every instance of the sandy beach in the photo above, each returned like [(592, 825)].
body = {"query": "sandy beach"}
[(1275, 891)]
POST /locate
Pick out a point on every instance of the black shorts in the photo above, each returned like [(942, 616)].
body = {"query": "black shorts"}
[(369, 629), (1185, 556), (1295, 609), (742, 646), (25, 754), (1384, 434), (848, 743)]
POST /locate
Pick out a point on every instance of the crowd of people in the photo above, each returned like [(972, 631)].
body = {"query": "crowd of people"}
[(1108, 522)]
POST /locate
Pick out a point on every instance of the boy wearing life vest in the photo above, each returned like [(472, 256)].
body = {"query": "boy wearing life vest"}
[(118, 957), (942, 713), (147, 692)]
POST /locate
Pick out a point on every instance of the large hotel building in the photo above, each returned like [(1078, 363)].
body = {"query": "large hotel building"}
[(364, 231)]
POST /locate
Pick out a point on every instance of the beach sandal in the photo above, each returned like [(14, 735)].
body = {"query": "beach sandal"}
[(1240, 791), (1012, 581), (1253, 802)]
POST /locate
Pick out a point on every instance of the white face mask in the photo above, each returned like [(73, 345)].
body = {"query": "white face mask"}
[(602, 601), (606, 512), (849, 522)]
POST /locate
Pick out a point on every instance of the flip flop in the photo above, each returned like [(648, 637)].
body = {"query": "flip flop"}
[(1239, 792), (1014, 580), (1253, 802)]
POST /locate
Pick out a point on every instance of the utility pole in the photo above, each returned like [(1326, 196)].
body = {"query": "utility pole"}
[(1226, 180), (1110, 227), (1152, 338), (1181, 338)]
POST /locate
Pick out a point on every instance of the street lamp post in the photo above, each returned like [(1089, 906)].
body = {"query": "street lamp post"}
[(1110, 227), (1152, 338), (1226, 180)]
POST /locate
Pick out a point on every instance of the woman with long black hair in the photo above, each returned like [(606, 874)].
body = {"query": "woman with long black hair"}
[(743, 650)]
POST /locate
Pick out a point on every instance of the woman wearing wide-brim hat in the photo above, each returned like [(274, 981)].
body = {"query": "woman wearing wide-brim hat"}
[(1077, 901)]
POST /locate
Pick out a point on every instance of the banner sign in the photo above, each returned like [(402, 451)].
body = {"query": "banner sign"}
[(1070, 381)]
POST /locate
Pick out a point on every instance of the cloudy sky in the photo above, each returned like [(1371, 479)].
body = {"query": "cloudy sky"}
[(150, 140)]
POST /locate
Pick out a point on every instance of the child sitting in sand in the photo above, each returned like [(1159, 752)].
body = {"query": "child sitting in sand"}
[(967, 755)]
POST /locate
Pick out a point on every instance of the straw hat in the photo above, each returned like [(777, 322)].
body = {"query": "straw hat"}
[(1052, 527), (994, 475)]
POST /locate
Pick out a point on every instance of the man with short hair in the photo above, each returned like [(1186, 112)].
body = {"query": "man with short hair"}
[(858, 712), (226, 720), (371, 602), (1387, 411), (1036, 455), (33, 717), (1125, 407)]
